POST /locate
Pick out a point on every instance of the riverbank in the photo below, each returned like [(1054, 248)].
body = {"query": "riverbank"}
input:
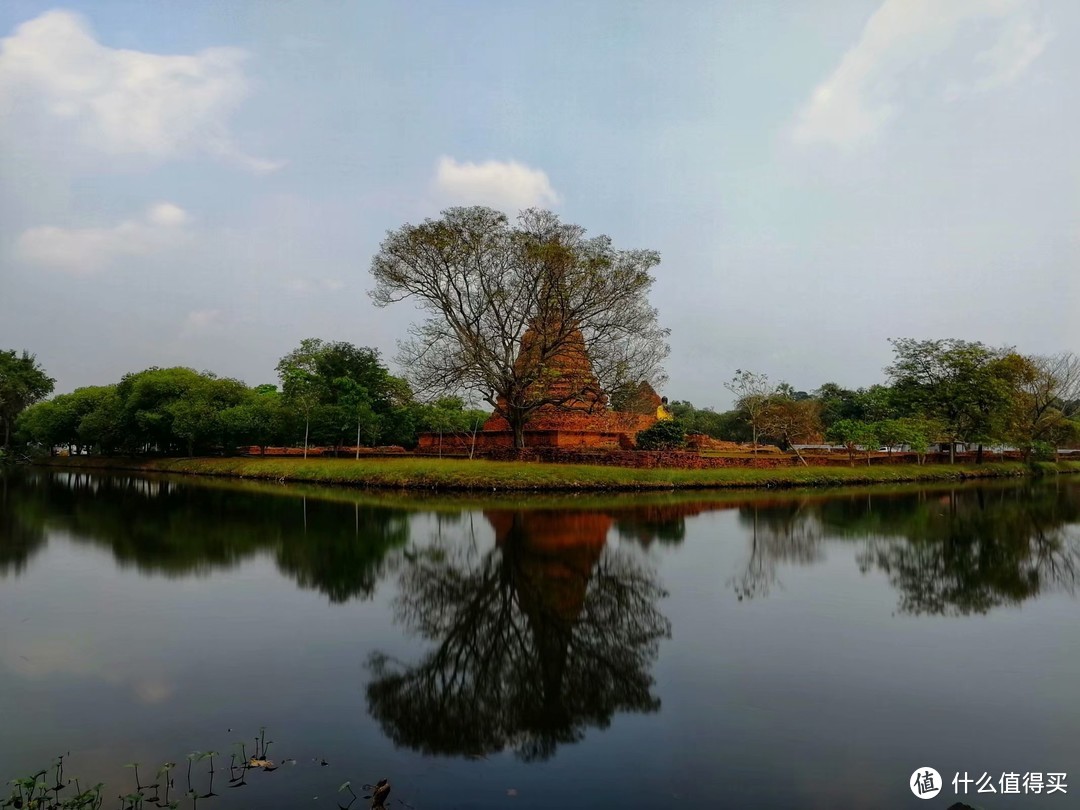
[(479, 475)]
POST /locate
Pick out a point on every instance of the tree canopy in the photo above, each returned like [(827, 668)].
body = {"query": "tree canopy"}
[(511, 304), (22, 383)]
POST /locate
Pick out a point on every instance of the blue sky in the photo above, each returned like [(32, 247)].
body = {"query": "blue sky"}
[(205, 183)]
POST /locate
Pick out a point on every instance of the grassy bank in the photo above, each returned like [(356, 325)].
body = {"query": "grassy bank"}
[(463, 475)]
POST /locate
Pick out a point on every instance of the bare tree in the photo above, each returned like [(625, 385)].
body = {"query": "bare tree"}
[(526, 315), (791, 421), (752, 394), (1045, 396)]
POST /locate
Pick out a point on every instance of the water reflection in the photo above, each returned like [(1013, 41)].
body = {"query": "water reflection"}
[(549, 633), (22, 530), (162, 527), (949, 552)]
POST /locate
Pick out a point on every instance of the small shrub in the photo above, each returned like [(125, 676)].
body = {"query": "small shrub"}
[(1043, 451), (669, 434)]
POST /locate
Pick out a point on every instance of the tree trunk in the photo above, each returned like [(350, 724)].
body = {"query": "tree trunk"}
[(307, 424), (357, 439), (952, 451), (753, 429), (517, 424), (797, 453), (978, 455)]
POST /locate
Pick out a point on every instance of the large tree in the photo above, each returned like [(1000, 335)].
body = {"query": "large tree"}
[(753, 393), (510, 304), (342, 390), (22, 383), (1045, 396), (536, 640), (963, 384)]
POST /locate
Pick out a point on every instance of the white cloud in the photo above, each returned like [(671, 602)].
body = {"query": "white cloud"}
[(200, 322), (1020, 44), (123, 102), (86, 250), (863, 93), (307, 285), (502, 184), (167, 214)]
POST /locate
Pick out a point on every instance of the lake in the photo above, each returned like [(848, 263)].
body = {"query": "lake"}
[(744, 650)]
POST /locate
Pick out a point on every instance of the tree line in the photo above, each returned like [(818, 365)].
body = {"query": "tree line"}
[(334, 394), (512, 307), (938, 392), (331, 394)]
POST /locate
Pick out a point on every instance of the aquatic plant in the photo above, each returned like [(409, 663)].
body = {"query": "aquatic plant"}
[(34, 792)]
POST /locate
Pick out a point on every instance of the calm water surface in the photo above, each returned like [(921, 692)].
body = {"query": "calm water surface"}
[(744, 651)]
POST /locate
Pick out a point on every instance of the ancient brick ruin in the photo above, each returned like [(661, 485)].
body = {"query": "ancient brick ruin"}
[(582, 420)]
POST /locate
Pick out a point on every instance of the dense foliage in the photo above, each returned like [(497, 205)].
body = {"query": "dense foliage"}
[(332, 394), (938, 394), (669, 434), (22, 383)]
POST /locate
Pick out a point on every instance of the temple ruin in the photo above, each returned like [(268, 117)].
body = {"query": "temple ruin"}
[(582, 420)]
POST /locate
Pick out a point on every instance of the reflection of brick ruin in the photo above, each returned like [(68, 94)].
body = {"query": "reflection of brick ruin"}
[(554, 553), (580, 418)]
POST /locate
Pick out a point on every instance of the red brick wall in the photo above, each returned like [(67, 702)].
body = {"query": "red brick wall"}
[(635, 458), (496, 439)]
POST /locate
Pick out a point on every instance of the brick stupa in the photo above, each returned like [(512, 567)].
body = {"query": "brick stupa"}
[(580, 420)]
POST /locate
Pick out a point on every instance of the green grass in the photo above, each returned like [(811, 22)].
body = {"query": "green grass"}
[(501, 476)]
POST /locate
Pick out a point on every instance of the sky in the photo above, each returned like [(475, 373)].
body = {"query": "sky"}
[(205, 183)]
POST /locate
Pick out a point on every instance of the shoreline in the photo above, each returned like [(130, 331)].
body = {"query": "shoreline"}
[(456, 475)]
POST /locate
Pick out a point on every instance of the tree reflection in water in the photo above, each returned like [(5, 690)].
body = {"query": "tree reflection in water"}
[(545, 635), (22, 530), (784, 532), (949, 552), (172, 529)]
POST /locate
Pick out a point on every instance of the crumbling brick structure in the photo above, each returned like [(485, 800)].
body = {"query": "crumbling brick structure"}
[(582, 420)]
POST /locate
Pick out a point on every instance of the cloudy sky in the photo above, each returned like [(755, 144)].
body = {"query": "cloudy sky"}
[(204, 183)]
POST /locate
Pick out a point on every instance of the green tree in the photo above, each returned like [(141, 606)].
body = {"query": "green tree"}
[(103, 425), (448, 416), (852, 434), (300, 383), (261, 419), (196, 417), (667, 434), (1044, 396), (43, 424), (728, 426), (339, 388), (837, 403), (150, 406), (489, 285), (22, 383), (962, 384)]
